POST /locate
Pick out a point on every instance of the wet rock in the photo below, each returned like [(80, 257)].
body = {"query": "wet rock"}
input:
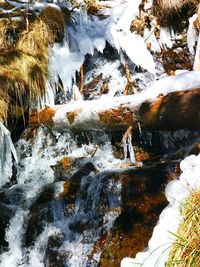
[(72, 185), (142, 201), (41, 211), (7, 213), (51, 254), (40, 215), (142, 155), (64, 167)]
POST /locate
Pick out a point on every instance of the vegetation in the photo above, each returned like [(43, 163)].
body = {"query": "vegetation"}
[(24, 58), (186, 249), (173, 10)]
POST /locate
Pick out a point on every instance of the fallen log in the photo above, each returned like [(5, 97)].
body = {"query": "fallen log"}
[(174, 111)]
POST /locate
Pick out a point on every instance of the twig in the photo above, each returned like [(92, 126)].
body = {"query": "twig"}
[(81, 85), (130, 83)]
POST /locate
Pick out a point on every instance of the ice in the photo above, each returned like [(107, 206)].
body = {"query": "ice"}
[(136, 50), (128, 148), (65, 63), (150, 37), (127, 15), (192, 34), (196, 65), (166, 36), (7, 149)]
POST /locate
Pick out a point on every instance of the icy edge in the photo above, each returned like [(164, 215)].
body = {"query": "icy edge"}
[(7, 149)]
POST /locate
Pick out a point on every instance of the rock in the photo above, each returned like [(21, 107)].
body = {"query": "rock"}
[(142, 201), (6, 212), (41, 211)]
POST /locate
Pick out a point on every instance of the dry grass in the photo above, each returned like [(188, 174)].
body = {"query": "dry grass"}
[(3, 106), (5, 5), (9, 30), (24, 58), (171, 9), (22, 74), (55, 20), (92, 7), (186, 249), (34, 41)]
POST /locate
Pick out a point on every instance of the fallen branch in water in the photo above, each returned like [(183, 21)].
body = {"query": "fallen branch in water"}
[(176, 110)]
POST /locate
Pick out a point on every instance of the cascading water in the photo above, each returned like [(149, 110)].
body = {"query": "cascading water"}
[(68, 198), (95, 207)]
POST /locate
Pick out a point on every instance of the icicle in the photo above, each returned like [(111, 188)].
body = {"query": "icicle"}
[(139, 127), (192, 34), (131, 150), (124, 144), (6, 150), (76, 95), (127, 145), (196, 65)]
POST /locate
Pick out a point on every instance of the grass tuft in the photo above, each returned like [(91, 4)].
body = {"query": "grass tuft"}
[(24, 58), (186, 249)]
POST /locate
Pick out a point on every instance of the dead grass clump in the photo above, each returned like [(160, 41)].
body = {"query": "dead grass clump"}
[(5, 5), (24, 67), (24, 58), (22, 74), (34, 41), (186, 249), (55, 21), (170, 11), (92, 7), (9, 30), (4, 101)]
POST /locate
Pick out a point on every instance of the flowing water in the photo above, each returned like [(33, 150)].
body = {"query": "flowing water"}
[(77, 199), (68, 196)]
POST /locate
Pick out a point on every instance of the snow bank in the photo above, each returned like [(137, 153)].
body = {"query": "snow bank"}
[(177, 192)]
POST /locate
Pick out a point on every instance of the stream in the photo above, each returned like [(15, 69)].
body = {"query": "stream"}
[(88, 199), (74, 204)]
